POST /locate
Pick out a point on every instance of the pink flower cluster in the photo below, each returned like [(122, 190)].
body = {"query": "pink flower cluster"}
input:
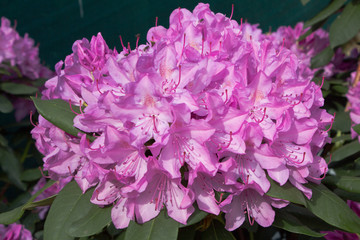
[(204, 113), (19, 52), (14, 232)]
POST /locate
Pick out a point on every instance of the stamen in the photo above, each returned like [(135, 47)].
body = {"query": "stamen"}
[(32, 123), (332, 121), (154, 119), (219, 47), (179, 17), (263, 117), (241, 25), (300, 100), (282, 46), (228, 145), (80, 107), (221, 196), (71, 108), (128, 47), (42, 173), (137, 41), (182, 50), (122, 44), (232, 11), (97, 86), (322, 83), (156, 21)]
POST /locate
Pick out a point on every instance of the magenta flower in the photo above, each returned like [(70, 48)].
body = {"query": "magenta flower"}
[(19, 52), (15, 232), (205, 112)]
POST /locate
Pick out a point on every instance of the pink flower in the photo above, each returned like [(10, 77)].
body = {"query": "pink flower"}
[(15, 232), (20, 53), (206, 107)]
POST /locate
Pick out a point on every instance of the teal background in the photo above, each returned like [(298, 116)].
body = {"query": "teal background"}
[(56, 24)]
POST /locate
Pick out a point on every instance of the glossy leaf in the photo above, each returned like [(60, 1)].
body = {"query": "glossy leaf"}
[(58, 217), (11, 165), (307, 218), (322, 58), (12, 215), (286, 192), (44, 202), (91, 223), (16, 213), (332, 209), (52, 109), (350, 184), (217, 231), (30, 174), (356, 128), (345, 151), (5, 104), (160, 228), (18, 88), (289, 222), (325, 13), (346, 25), (347, 195)]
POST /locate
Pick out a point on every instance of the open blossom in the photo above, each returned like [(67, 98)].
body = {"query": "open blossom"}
[(14, 232), (20, 53), (207, 107)]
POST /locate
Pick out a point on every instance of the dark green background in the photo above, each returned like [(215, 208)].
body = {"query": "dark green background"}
[(56, 24)]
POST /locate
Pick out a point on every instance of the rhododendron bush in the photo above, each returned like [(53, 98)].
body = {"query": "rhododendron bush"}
[(211, 129)]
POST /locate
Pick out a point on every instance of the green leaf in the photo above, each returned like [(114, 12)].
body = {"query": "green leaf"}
[(160, 228), (58, 219), (342, 121), (289, 222), (346, 25), (217, 231), (345, 151), (356, 128), (325, 13), (18, 88), (12, 215), (30, 175), (44, 202), (308, 218), (52, 109), (350, 184), (332, 209), (286, 192), (196, 217), (16, 213), (11, 165), (322, 58), (5, 104), (91, 223), (347, 195)]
